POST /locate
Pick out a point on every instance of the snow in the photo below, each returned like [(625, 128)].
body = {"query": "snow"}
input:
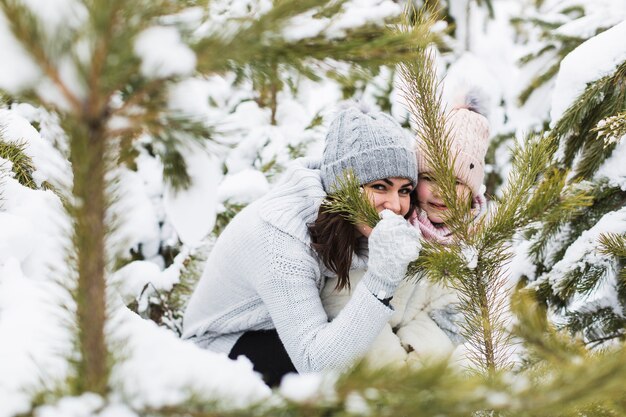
[(56, 15), (190, 97), (354, 13), (614, 168), (49, 164), (592, 60), (84, 406), (585, 249), (23, 72), (192, 211), (243, 187), (470, 254), (17, 233), (177, 371), (305, 26), (163, 54), (35, 338), (301, 388), (134, 214), (133, 278), (598, 14), (156, 368)]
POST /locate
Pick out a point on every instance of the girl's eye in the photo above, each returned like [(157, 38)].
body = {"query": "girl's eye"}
[(425, 178)]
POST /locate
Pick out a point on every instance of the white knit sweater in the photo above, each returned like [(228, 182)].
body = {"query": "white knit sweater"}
[(262, 274)]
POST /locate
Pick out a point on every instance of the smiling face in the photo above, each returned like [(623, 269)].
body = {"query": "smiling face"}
[(388, 193), (431, 203)]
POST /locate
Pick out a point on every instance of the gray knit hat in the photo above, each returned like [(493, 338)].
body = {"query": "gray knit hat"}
[(372, 144)]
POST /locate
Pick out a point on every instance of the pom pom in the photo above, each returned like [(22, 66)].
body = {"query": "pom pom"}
[(362, 106), (473, 99)]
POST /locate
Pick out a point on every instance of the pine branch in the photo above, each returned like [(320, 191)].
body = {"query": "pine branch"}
[(556, 205), (22, 164), (613, 244), (422, 94), (367, 45), (612, 129), (560, 45), (604, 98), (349, 199), (488, 4), (597, 325), (479, 282), (604, 199), (31, 34)]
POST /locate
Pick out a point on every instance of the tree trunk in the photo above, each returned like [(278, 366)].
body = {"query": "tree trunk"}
[(88, 164)]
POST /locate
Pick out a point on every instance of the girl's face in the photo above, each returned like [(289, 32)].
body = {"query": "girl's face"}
[(430, 202), (388, 193)]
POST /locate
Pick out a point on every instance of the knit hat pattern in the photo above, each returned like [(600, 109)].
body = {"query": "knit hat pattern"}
[(469, 139), (370, 144)]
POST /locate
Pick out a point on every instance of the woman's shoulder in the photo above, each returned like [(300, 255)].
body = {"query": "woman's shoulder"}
[(295, 201)]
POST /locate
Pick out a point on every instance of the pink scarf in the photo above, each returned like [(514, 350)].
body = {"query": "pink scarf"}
[(443, 234)]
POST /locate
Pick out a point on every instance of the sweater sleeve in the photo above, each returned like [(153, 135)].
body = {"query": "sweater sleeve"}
[(288, 289)]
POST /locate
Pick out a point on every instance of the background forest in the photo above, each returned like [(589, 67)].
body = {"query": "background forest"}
[(131, 132)]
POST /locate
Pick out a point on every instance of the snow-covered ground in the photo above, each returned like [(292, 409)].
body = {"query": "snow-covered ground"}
[(157, 368)]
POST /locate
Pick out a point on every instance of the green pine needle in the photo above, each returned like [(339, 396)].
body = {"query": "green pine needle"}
[(349, 198), (613, 244), (612, 129), (23, 166)]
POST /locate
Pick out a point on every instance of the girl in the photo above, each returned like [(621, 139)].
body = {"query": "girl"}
[(469, 138), (259, 295), (429, 327), (424, 323)]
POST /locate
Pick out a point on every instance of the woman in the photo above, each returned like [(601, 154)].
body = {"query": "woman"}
[(425, 323), (259, 295)]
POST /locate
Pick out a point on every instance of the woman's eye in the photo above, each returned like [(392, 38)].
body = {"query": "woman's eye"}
[(379, 187), (405, 191)]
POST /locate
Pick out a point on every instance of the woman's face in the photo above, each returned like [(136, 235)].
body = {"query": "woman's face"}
[(388, 193), (429, 201)]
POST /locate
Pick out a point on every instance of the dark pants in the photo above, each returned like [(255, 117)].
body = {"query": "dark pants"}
[(267, 354)]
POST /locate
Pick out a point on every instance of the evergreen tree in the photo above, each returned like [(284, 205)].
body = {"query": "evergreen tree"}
[(559, 27), (108, 83), (109, 75), (579, 260)]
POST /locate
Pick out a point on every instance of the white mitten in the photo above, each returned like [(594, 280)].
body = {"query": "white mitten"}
[(393, 244)]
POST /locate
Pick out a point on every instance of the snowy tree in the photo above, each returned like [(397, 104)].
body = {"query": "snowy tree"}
[(115, 72), (554, 28), (105, 101), (579, 258)]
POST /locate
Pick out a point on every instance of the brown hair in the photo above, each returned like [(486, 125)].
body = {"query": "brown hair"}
[(335, 240)]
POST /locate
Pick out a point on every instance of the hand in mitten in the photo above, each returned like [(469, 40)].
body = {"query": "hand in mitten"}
[(393, 244)]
